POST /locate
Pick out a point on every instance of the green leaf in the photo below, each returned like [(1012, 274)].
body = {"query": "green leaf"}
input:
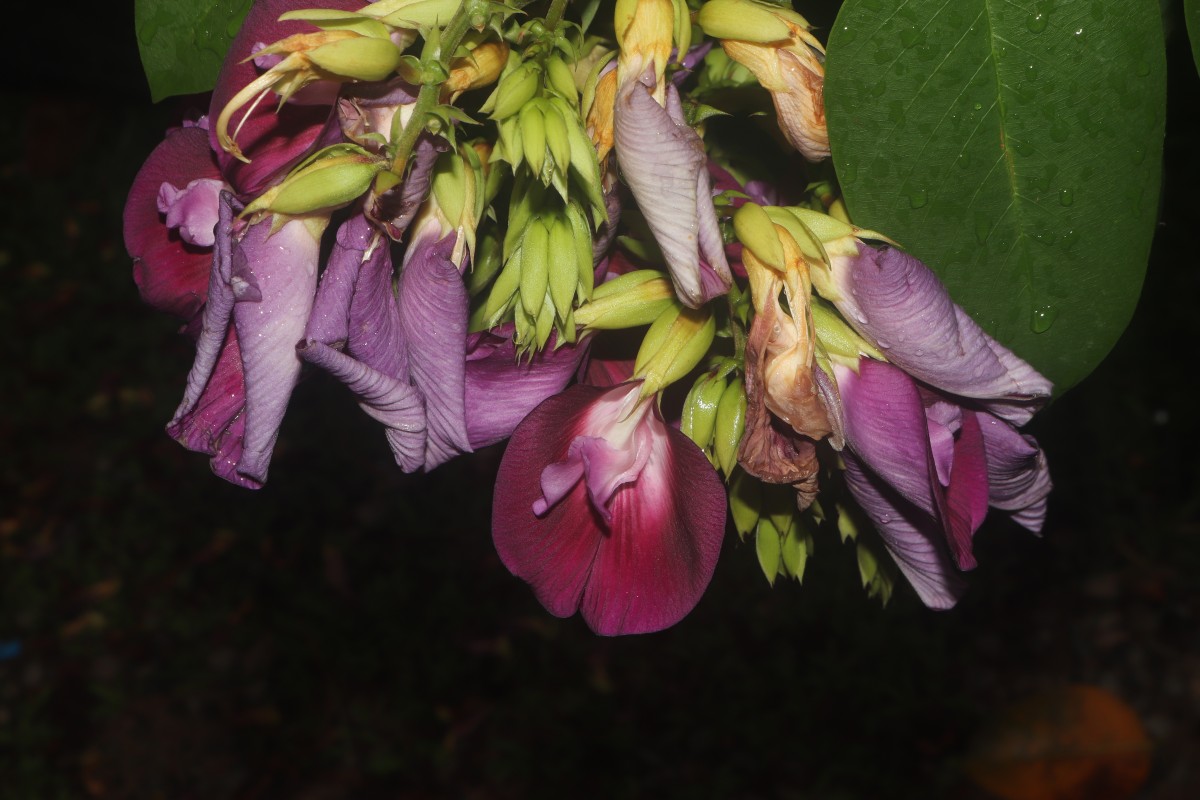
[(1191, 12), (183, 42), (1013, 146)]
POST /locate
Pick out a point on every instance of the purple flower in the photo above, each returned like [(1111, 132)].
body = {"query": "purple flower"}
[(606, 510), (261, 287), (663, 161), (931, 437)]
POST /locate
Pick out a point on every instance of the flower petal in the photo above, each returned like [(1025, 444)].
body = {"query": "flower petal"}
[(395, 404), (898, 304), (433, 316), (214, 423), (663, 161), (967, 493), (646, 571), (170, 273), (494, 371), (911, 536), (282, 266), (886, 428), (1018, 477)]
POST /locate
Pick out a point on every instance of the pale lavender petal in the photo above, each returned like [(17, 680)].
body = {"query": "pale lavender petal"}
[(433, 316), (283, 269), (494, 370), (192, 210), (395, 404), (913, 539), (1018, 476), (369, 108), (217, 311), (898, 304), (663, 161), (944, 421)]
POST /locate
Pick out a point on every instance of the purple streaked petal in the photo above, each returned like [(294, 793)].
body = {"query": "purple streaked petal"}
[(1018, 478), (272, 138), (898, 304), (218, 311), (369, 108), (493, 368), (215, 423), (329, 322), (170, 273), (911, 536), (663, 161), (395, 404), (886, 427), (282, 266), (433, 317), (395, 209), (648, 569)]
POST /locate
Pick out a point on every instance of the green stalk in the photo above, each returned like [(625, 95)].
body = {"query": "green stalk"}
[(451, 36)]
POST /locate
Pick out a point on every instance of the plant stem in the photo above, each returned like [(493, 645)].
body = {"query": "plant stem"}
[(554, 15), (451, 36)]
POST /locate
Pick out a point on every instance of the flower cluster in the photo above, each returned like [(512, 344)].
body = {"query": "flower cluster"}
[(445, 206)]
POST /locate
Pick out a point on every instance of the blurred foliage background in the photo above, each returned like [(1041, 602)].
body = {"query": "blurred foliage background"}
[(348, 632)]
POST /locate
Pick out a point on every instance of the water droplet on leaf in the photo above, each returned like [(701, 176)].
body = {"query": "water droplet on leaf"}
[(1066, 197), (918, 198), (1037, 22), (1043, 318)]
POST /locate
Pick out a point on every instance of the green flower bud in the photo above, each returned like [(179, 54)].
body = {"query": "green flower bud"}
[(561, 80), (323, 185), (673, 346), (364, 58), (423, 14), (516, 89), (533, 136), (564, 276), (731, 424), (535, 266), (756, 231), (582, 236), (795, 549), (743, 20), (633, 299), (837, 337), (329, 20), (768, 547), (745, 500), (699, 418), (557, 138)]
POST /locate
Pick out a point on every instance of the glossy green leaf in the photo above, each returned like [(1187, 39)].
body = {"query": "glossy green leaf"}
[(1015, 147), (183, 42)]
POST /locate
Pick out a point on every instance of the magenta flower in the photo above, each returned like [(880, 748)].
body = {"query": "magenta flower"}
[(931, 437), (606, 510), (169, 205)]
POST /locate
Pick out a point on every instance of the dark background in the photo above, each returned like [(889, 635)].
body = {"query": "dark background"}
[(349, 632)]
